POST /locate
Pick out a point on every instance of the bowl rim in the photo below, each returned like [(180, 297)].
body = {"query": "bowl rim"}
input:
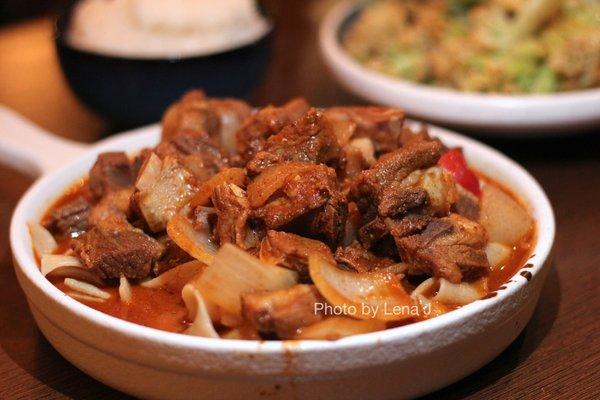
[(45, 190), (339, 16)]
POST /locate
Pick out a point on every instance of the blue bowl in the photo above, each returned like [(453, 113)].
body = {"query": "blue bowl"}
[(131, 92)]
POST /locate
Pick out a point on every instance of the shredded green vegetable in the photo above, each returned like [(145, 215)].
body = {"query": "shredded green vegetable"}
[(507, 46)]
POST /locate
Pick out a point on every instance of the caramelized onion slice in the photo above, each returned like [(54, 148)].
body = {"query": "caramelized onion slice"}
[(197, 311), (125, 293), (334, 328), (86, 288), (58, 265), (233, 272), (369, 295), (271, 180), (195, 242), (176, 278), (237, 176), (43, 242), (461, 293)]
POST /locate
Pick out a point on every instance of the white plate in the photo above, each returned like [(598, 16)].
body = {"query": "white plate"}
[(490, 114)]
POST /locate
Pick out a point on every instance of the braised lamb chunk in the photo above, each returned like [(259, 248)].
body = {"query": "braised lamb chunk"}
[(198, 153), (300, 189), (71, 217), (114, 248), (410, 135), (171, 257), (450, 247), (252, 136), (291, 251), (111, 171), (402, 201), (163, 188), (233, 210), (309, 139), (283, 311), (382, 125), (355, 257), (384, 179), (114, 206)]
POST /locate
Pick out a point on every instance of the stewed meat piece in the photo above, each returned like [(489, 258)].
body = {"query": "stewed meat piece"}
[(290, 190), (450, 247), (113, 248), (114, 206), (384, 180), (252, 136), (111, 171), (70, 217), (382, 125), (309, 139), (359, 259), (282, 311), (291, 251), (233, 210)]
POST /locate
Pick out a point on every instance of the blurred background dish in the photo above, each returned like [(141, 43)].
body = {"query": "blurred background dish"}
[(421, 56), (128, 59)]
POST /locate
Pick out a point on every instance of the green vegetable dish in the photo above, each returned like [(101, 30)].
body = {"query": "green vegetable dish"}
[(502, 46)]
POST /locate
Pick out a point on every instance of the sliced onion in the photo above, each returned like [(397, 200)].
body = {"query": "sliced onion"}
[(236, 176), (460, 293), (85, 297), (271, 180), (58, 265), (125, 293), (368, 295), (176, 278), (497, 254), (42, 240), (202, 325), (233, 272), (334, 328), (430, 308), (425, 287), (86, 288), (196, 243)]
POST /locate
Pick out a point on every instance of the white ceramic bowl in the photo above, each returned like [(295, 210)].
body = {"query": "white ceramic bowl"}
[(397, 363), (491, 114)]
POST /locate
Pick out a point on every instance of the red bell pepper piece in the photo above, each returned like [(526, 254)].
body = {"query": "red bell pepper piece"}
[(454, 162)]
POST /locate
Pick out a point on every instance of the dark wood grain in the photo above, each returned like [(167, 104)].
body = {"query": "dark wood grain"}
[(556, 357)]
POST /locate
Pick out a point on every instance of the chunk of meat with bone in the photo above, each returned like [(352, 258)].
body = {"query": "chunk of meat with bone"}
[(282, 311), (163, 188), (359, 259), (382, 125), (291, 251), (451, 247), (216, 118), (70, 217), (252, 136), (384, 180), (433, 190), (294, 190), (113, 249), (198, 153), (310, 139), (233, 209), (111, 171)]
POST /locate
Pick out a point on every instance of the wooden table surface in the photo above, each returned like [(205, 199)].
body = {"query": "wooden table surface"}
[(556, 357)]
